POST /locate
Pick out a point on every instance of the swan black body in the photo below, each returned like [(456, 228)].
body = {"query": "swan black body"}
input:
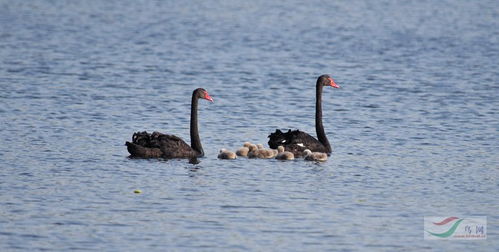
[(159, 145), (297, 141)]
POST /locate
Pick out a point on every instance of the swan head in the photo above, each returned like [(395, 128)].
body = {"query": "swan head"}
[(202, 93), (326, 80)]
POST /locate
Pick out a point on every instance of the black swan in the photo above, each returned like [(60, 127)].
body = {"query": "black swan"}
[(315, 156), (284, 155), (297, 141), (159, 145)]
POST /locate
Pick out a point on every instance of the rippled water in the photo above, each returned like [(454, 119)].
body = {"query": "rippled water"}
[(414, 127)]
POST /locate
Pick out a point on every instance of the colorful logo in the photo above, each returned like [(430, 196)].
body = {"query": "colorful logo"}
[(447, 228)]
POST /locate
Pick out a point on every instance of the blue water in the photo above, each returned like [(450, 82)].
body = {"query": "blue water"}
[(414, 126)]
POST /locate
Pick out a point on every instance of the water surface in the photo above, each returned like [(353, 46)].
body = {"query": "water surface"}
[(414, 127)]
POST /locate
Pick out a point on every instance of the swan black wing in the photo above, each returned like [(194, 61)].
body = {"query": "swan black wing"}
[(173, 146), (159, 145)]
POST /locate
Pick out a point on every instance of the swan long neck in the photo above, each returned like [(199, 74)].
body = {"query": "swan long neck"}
[(195, 140), (319, 128)]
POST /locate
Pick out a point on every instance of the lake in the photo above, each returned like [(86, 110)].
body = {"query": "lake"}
[(414, 126)]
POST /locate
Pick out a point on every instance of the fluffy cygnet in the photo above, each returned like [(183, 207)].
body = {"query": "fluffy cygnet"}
[(243, 151), (267, 153), (226, 154), (314, 156), (284, 155), (253, 151)]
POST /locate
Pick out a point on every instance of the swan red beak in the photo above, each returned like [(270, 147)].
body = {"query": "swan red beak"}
[(332, 83), (208, 97)]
